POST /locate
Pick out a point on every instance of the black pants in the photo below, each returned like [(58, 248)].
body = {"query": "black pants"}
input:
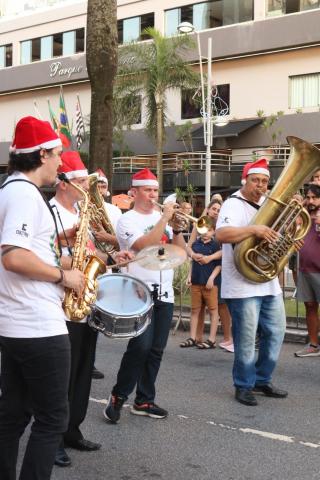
[(141, 361), (83, 341), (35, 377)]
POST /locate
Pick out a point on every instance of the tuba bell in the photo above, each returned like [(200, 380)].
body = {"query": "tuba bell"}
[(258, 260)]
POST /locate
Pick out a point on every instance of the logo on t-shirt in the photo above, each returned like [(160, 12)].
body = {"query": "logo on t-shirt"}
[(226, 220), (23, 231), (165, 237)]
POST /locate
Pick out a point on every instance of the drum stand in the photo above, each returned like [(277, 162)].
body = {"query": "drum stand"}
[(156, 292)]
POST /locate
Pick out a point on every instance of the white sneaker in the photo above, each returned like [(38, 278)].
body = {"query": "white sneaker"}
[(308, 351)]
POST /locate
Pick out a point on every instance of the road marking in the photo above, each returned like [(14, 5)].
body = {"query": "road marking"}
[(251, 431)]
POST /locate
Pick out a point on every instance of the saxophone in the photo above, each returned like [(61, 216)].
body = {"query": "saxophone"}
[(99, 214), (258, 260), (75, 307)]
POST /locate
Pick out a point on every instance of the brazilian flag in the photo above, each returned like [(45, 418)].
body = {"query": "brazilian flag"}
[(64, 124)]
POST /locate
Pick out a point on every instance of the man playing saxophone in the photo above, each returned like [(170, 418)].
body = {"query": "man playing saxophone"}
[(82, 338), (251, 304)]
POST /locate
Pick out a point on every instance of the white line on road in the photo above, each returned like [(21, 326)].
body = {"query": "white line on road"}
[(261, 433)]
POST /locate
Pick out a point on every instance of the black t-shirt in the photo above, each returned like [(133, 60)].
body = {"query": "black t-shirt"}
[(201, 273)]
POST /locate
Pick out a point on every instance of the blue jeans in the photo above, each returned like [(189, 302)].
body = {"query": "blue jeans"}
[(248, 314), (35, 378), (141, 362)]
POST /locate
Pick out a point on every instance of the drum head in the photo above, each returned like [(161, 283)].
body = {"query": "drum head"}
[(122, 295)]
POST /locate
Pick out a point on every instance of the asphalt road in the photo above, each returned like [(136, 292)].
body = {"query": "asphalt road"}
[(208, 435)]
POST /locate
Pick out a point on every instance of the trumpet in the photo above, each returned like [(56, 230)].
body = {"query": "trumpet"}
[(181, 220)]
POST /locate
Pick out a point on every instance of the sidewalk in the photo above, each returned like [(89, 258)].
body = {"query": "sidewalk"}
[(181, 319)]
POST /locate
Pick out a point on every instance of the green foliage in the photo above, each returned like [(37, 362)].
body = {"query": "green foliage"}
[(149, 69), (269, 124), (184, 133), (180, 279)]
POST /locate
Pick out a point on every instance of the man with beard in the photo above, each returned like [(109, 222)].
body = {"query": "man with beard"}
[(309, 273)]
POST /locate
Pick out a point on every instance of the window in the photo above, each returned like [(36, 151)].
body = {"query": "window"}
[(281, 7), (130, 29), (44, 48), (304, 91), (25, 52), (191, 102), (6, 56), (214, 13), (80, 40)]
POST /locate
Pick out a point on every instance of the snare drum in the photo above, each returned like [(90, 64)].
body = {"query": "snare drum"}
[(123, 308)]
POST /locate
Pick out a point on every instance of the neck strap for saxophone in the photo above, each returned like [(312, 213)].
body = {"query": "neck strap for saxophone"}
[(45, 201)]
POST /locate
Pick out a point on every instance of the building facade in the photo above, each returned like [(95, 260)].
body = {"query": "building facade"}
[(265, 59)]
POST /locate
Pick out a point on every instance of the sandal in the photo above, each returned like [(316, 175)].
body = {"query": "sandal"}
[(190, 342), (206, 345)]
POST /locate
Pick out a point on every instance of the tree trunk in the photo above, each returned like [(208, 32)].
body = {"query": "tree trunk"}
[(160, 146), (102, 56)]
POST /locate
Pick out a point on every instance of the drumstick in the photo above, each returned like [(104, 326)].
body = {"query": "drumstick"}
[(124, 264)]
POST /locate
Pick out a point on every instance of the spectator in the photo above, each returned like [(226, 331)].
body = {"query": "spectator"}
[(204, 291), (309, 273), (212, 211)]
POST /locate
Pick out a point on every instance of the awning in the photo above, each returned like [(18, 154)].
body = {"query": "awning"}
[(232, 129)]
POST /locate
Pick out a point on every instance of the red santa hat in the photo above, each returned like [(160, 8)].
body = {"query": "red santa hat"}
[(144, 178), (259, 166), (72, 165), (101, 176), (32, 134)]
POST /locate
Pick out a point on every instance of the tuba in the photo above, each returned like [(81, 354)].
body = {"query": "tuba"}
[(75, 307), (258, 260), (99, 214)]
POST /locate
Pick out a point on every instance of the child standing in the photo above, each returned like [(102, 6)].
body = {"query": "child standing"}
[(204, 291)]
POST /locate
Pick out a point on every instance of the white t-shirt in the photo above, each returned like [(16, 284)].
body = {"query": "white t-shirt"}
[(236, 213), (131, 226), (28, 308), (114, 213)]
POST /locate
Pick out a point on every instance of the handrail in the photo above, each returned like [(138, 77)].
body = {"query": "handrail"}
[(196, 161)]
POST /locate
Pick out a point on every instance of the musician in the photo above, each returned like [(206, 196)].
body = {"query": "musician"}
[(251, 305), (141, 227), (83, 339), (34, 342), (112, 212)]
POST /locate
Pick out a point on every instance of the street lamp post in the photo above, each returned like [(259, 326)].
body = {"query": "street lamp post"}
[(186, 27)]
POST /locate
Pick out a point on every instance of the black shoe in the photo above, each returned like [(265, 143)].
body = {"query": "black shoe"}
[(83, 445), (96, 374), (270, 391), (245, 397), (149, 410), (62, 459), (113, 409)]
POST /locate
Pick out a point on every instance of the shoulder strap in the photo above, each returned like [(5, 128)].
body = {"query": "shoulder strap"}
[(254, 205), (45, 201)]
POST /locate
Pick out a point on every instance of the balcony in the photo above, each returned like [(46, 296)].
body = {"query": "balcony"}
[(181, 169)]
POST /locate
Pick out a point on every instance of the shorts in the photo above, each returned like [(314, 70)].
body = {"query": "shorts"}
[(308, 289), (200, 295)]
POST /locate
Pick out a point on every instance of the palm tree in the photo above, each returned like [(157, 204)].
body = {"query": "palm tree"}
[(102, 51), (148, 70)]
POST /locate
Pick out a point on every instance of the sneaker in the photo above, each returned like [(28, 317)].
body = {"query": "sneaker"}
[(113, 409), (149, 410), (308, 351)]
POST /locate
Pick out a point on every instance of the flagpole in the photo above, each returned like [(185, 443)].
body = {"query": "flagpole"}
[(37, 111)]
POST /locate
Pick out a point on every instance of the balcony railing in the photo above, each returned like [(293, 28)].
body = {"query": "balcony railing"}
[(196, 161)]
